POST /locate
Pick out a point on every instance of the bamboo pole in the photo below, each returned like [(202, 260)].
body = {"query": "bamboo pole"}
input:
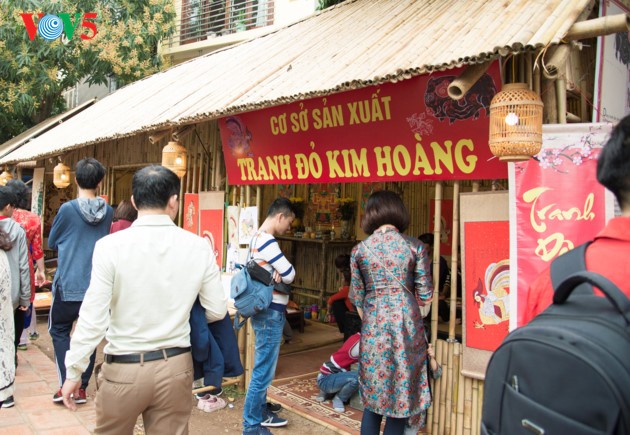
[(561, 90), (454, 262), (598, 27), (583, 100), (529, 70), (462, 84), (444, 387), (450, 380), (241, 341), (477, 423), (475, 186), (555, 66), (440, 386), (468, 391), (459, 428), (250, 349), (248, 195), (436, 259), (475, 407), (455, 386)]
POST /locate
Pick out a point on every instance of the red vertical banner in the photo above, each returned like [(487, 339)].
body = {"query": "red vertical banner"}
[(487, 253), (556, 201), (191, 212), (446, 225), (211, 214)]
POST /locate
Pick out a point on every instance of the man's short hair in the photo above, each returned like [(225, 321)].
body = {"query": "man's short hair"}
[(6, 197), (385, 207), (613, 164), (22, 194), (427, 239), (89, 172), (153, 186), (281, 206)]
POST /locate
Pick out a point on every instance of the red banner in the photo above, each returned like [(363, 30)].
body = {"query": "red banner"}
[(558, 202), (191, 212), (410, 130)]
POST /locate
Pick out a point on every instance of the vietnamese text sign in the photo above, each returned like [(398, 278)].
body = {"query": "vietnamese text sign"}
[(410, 130), (556, 202)]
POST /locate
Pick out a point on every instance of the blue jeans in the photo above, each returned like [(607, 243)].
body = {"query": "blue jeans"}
[(345, 384), (267, 326)]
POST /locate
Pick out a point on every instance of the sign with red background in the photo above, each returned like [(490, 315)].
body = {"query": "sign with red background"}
[(410, 130), (558, 202)]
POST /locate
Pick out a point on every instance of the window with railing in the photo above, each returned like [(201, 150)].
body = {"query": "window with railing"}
[(206, 19)]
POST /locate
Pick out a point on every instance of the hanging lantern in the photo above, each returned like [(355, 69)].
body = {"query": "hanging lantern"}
[(61, 176), (5, 177), (515, 123), (174, 158)]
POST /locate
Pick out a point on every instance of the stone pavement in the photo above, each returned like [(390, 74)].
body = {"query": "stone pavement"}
[(34, 411)]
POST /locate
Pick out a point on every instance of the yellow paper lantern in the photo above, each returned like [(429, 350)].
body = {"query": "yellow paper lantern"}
[(5, 177), (515, 123), (174, 157), (61, 176)]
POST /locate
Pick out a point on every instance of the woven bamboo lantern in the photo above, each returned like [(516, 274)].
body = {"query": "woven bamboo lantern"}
[(5, 177), (515, 123), (174, 158), (61, 176)]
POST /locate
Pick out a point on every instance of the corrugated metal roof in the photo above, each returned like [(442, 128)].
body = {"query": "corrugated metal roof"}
[(356, 44)]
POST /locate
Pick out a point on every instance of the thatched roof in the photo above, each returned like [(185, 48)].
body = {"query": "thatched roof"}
[(355, 44)]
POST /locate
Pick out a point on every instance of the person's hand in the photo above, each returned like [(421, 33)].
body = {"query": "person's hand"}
[(430, 351), (69, 388), (23, 308), (276, 276), (40, 277)]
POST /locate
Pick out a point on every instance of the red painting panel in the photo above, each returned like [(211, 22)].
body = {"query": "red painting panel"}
[(211, 229), (446, 225), (191, 212), (487, 254), (409, 130)]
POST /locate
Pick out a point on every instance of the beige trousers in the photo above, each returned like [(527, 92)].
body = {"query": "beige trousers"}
[(159, 390)]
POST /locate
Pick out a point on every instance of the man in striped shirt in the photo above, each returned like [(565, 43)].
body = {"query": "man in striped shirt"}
[(268, 324)]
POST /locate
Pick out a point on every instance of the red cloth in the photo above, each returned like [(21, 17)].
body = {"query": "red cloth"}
[(33, 227), (119, 225), (344, 357), (608, 255), (342, 294)]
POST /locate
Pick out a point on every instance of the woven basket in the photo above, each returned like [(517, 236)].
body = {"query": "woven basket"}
[(174, 157), (515, 123)]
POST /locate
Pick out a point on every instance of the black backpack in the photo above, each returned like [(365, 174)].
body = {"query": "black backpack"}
[(568, 370)]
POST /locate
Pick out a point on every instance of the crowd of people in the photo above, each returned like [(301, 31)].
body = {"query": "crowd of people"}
[(102, 284)]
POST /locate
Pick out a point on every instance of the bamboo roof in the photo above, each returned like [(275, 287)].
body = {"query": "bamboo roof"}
[(352, 45)]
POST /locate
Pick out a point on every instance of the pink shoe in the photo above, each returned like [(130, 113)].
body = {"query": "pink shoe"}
[(209, 403)]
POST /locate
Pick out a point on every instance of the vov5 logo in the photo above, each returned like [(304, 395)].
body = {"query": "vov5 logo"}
[(50, 27)]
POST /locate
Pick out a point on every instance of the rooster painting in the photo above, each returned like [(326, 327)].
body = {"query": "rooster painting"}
[(493, 303)]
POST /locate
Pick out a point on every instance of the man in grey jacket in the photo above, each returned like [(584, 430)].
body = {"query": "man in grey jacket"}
[(18, 266)]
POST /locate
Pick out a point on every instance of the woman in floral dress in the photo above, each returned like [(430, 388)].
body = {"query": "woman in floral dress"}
[(390, 281)]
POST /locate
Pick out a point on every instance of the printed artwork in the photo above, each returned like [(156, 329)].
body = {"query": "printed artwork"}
[(232, 255), (211, 222), (191, 212), (247, 224), (323, 202), (37, 193), (487, 283)]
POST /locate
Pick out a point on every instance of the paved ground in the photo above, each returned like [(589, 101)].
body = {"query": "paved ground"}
[(34, 411)]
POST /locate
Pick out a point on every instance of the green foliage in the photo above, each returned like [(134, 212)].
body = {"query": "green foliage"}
[(33, 74), (323, 4)]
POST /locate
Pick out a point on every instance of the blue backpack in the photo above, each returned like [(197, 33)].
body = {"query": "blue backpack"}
[(250, 296)]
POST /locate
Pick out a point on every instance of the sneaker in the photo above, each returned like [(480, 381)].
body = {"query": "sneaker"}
[(337, 404), (274, 407), (58, 398), (210, 403), (272, 420), (81, 398), (213, 392), (21, 346), (34, 336), (8, 402)]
